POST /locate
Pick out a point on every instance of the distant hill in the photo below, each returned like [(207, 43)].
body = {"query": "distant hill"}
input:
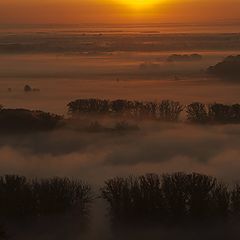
[(229, 68), (12, 120)]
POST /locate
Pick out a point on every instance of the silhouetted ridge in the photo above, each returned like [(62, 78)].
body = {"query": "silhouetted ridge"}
[(228, 68), (27, 120)]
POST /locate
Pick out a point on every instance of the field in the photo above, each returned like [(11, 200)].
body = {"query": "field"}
[(149, 102)]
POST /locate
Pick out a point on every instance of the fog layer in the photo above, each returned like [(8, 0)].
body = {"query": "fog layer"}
[(96, 156)]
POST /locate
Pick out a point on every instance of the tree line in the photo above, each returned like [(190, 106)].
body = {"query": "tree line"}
[(20, 197), (166, 110), (166, 198), (12, 120), (177, 198)]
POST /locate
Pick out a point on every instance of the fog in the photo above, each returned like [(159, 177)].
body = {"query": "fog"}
[(62, 79), (94, 157), (67, 65)]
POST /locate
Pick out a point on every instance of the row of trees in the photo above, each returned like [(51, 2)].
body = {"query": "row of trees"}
[(20, 197), (177, 198), (169, 111), (171, 199), (165, 110), (213, 113)]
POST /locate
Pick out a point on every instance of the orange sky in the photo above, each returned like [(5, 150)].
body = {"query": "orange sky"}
[(117, 11)]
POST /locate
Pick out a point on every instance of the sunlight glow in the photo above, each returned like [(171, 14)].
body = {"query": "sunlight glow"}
[(140, 4)]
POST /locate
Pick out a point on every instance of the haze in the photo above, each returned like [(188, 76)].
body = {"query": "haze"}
[(95, 91), (117, 11)]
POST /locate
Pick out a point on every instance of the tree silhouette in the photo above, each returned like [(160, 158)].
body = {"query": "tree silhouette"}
[(176, 198), (21, 198), (197, 113), (235, 202), (169, 110), (165, 111)]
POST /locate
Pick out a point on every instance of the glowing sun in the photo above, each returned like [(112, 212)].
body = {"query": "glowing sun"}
[(139, 4)]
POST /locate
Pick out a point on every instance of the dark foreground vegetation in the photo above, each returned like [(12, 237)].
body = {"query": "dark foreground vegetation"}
[(178, 199), (169, 198), (20, 197), (229, 68), (160, 201), (166, 110), (23, 200)]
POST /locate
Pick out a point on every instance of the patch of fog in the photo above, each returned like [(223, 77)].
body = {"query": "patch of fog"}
[(95, 157)]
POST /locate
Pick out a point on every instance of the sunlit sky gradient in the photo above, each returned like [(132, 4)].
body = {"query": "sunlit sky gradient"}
[(117, 11)]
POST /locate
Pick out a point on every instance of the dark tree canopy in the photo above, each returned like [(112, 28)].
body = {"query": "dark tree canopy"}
[(165, 110), (27, 120), (20, 197), (176, 198)]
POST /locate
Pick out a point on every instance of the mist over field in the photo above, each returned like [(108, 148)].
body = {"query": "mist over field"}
[(95, 157), (44, 68), (156, 147), (65, 65)]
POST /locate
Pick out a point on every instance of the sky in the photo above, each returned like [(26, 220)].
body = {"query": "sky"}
[(117, 11)]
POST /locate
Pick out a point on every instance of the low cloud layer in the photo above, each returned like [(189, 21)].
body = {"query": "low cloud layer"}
[(96, 156)]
